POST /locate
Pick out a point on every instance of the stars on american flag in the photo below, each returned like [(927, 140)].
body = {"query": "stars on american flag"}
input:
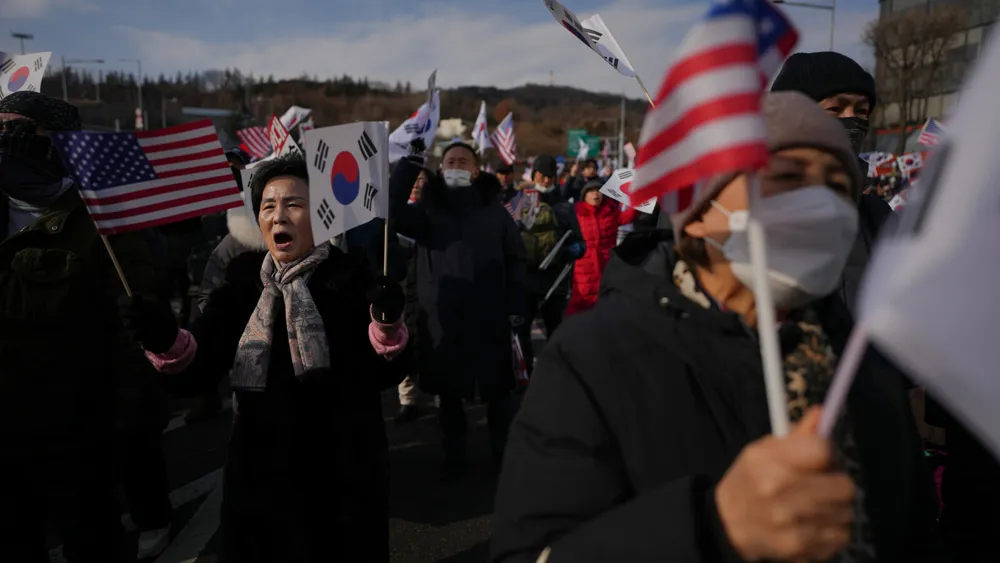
[(108, 160)]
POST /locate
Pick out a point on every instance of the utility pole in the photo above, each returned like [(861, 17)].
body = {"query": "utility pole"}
[(552, 81), (22, 37), (100, 78), (65, 71)]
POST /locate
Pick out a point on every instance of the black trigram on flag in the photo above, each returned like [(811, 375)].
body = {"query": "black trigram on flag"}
[(413, 128), (38, 64), (366, 145), (7, 66), (626, 175), (612, 61), (322, 152), (370, 193), (325, 214), (595, 35)]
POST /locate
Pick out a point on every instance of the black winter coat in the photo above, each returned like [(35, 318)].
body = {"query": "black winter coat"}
[(470, 280), (307, 475), (638, 406)]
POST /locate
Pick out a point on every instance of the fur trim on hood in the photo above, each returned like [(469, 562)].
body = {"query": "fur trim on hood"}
[(245, 231)]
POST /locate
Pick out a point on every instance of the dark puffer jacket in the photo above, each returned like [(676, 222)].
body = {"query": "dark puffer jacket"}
[(638, 406), (470, 280), (65, 359)]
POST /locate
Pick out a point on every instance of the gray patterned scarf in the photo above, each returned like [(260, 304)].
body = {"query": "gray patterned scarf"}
[(306, 333)]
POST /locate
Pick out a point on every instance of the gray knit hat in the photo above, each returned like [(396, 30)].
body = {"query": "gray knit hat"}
[(792, 120)]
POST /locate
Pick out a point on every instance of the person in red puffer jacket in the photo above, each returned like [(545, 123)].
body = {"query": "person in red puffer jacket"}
[(599, 219)]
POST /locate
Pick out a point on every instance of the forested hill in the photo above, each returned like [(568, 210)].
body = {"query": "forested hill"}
[(542, 114)]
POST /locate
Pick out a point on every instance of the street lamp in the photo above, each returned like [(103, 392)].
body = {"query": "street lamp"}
[(832, 8), (22, 37), (65, 70), (139, 84)]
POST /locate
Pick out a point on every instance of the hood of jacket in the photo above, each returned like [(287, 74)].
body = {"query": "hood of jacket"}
[(243, 229)]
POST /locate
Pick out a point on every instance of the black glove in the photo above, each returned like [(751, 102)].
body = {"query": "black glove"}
[(417, 151), (387, 299), (151, 323)]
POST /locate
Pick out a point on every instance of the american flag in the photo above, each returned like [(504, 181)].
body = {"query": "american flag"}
[(141, 179), (931, 134), (503, 139), (255, 138), (706, 119), (514, 206)]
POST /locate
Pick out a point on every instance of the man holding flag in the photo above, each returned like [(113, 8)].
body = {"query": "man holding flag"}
[(63, 349)]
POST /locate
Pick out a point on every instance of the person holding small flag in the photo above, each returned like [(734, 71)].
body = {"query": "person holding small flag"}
[(470, 289), (650, 441), (316, 337), (599, 218), (66, 359)]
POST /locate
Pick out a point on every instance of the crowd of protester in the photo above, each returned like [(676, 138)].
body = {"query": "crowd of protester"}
[(643, 435)]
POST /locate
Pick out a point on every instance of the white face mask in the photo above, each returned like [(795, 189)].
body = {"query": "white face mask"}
[(810, 233), (457, 178)]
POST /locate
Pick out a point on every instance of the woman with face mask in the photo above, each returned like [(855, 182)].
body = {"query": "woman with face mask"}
[(645, 434), (310, 338)]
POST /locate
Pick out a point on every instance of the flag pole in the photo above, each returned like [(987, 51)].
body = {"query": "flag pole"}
[(118, 267), (767, 331), (385, 234), (644, 90)]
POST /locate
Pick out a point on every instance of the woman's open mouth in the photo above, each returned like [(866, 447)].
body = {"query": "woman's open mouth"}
[(282, 241)]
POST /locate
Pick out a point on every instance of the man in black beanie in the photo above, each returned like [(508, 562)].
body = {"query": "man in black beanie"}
[(69, 372), (845, 90), (837, 83)]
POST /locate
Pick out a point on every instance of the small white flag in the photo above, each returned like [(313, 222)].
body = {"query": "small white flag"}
[(294, 116), (423, 124), (617, 188), (479, 131), (583, 150), (22, 73), (348, 176), (606, 46)]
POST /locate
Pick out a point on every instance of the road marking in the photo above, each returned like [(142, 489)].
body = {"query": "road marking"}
[(178, 497), (179, 422), (188, 545)]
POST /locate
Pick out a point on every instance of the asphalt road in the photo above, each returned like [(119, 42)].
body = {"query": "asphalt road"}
[(430, 521)]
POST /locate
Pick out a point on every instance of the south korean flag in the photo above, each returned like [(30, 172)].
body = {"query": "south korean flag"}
[(22, 73), (348, 176)]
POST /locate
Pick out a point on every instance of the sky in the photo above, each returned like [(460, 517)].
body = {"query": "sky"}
[(503, 43)]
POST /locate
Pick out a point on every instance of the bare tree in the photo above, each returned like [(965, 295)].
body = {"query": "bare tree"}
[(910, 49)]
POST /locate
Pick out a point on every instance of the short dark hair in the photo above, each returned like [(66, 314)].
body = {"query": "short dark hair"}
[(293, 165), (460, 145), (590, 162)]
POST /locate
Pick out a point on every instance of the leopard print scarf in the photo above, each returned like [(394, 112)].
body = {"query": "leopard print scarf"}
[(809, 363)]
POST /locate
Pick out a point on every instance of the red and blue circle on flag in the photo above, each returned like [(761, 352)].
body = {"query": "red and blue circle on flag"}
[(18, 79), (345, 178)]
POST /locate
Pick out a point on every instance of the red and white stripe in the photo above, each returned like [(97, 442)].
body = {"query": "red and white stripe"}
[(706, 119), (193, 179), (503, 140), (255, 138)]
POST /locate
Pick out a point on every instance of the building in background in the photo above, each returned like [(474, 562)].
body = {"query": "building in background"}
[(956, 60)]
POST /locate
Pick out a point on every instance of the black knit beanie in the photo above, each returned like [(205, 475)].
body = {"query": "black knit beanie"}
[(821, 75)]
